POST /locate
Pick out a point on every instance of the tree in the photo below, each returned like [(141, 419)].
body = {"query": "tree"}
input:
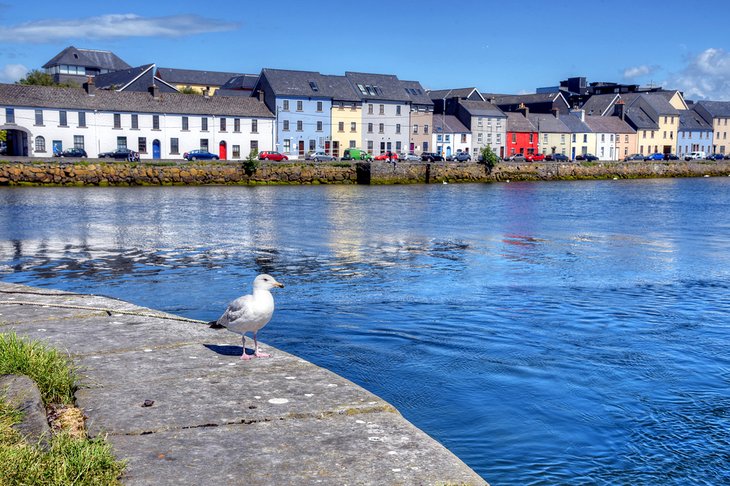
[(188, 90), (488, 158), (251, 163), (40, 78), (3, 136)]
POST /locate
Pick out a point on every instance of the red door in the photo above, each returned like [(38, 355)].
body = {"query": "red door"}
[(222, 151)]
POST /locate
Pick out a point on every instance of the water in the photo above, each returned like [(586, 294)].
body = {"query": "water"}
[(547, 333)]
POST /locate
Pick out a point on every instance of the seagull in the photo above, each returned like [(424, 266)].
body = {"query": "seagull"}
[(250, 313)]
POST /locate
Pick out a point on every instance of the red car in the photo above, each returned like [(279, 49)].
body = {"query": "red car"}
[(276, 156), (387, 156), (534, 157)]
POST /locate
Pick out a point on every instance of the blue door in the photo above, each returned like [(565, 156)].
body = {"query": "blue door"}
[(156, 149), (57, 146)]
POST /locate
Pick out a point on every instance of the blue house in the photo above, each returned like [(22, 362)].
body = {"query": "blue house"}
[(302, 104), (694, 134)]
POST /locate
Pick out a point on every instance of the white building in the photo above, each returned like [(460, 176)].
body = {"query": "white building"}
[(450, 136), (41, 120)]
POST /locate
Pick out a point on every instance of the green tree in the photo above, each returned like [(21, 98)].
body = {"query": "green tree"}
[(39, 78), (488, 158), (188, 90), (3, 136), (251, 163)]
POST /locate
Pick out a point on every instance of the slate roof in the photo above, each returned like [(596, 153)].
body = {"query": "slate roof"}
[(385, 87), (656, 102), (415, 91), (690, 120), (608, 124), (482, 108), (507, 99), (461, 93), (516, 122), (92, 58), (640, 119), (548, 123), (448, 124), (133, 79), (295, 83), (575, 125), (130, 101), (339, 89), (246, 82), (600, 104), (194, 77), (716, 108)]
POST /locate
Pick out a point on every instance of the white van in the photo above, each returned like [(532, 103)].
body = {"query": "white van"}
[(696, 156)]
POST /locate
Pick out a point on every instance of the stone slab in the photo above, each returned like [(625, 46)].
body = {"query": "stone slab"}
[(22, 394)]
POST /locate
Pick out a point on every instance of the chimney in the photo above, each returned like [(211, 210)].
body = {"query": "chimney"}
[(523, 109), (556, 112), (89, 86), (260, 95), (206, 92), (492, 99), (618, 109), (581, 114), (154, 90)]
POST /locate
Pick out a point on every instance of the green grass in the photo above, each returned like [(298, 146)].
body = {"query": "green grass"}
[(70, 460)]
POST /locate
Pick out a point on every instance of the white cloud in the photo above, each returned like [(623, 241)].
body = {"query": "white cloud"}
[(112, 26), (706, 76), (11, 73), (639, 71)]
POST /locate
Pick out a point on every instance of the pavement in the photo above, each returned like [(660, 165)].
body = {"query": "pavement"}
[(180, 407)]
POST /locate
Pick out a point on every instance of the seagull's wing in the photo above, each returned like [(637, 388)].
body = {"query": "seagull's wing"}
[(238, 311)]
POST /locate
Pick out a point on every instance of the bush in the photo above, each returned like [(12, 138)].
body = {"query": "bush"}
[(488, 158), (251, 163)]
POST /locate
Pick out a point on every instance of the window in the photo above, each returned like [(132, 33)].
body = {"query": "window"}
[(204, 144), (381, 128), (603, 138), (439, 138), (117, 120), (514, 137), (370, 128), (62, 119), (397, 128), (425, 129), (39, 121), (463, 138), (562, 138), (236, 151), (353, 126), (121, 142), (142, 145), (370, 109), (300, 125), (397, 110), (319, 106), (185, 124), (40, 144), (135, 122), (585, 138), (155, 122), (9, 115), (652, 134), (479, 122), (370, 146), (353, 144), (254, 146), (382, 110), (447, 138), (223, 124), (285, 125), (174, 146), (319, 126), (398, 146), (254, 126), (573, 139), (312, 145), (287, 145), (285, 105), (204, 124), (480, 137), (300, 105), (341, 127), (415, 129), (237, 125), (665, 134), (626, 139), (79, 141)]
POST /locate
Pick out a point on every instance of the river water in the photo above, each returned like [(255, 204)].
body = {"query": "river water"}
[(546, 333)]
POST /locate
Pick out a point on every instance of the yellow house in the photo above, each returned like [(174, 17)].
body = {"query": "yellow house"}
[(346, 126), (202, 82), (655, 119), (553, 136)]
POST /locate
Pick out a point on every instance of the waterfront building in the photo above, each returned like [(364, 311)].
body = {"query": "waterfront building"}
[(522, 136), (74, 65), (346, 115), (582, 138), (615, 139), (450, 136), (421, 118), (716, 113), (487, 123), (554, 136), (695, 134), (42, 120)]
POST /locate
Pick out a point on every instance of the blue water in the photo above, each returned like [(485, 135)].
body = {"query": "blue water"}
[(547, 333)]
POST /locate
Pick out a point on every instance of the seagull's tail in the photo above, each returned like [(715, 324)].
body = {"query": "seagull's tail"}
[(215, 325)]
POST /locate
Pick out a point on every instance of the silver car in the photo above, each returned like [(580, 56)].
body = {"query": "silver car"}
[(319, 157)]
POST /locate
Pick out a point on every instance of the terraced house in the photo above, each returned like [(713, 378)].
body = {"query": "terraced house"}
[(41, 120), (716, 113)]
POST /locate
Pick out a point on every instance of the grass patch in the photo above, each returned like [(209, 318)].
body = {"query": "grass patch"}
[(71, 459)]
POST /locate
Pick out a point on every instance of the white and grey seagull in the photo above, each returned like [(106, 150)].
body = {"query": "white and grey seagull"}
[(250, 313)]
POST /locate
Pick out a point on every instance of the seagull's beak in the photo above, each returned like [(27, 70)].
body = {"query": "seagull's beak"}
[(280, 285)]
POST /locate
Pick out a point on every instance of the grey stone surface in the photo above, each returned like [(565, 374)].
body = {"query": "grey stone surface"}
[(22, 394), (214, 419)]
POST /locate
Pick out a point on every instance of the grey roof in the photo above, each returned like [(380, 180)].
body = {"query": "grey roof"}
[(640, 119), (384, 87), (548, 123), (516, 122), (716, 108), (88, 58), (600, 104), (608, 124), (339, 89), (295, 83), (448, 124), (245, 82), (575, 125), (482, 108), (192, 76), (656, 101), (690, 120), (508, 99), (130, 101), (137, 79), (415, 91), (461, 93)]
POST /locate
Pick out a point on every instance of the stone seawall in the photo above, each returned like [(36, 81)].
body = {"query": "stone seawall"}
[(378, 172)]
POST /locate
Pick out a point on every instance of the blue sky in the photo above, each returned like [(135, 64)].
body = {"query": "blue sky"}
[(496, 46)]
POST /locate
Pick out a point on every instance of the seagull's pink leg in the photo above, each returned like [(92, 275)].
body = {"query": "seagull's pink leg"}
[(256, 349), (244, 356)]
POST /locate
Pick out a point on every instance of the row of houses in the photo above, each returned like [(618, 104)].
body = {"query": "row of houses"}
[(296, 112)]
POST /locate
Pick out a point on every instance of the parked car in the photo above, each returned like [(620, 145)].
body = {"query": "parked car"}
[(715, 157), (558, 157), (387, 156), (462, 157), (670, 157), (356, 154), (120, 154), (587, 157), (535, 157), (71, 152), (269, 155), (3, 148), (634, 157), (517, 158), (319, 157), (199, 154), (655, 156), (409, 157), (727, 156), (696, 156), (431, 157)]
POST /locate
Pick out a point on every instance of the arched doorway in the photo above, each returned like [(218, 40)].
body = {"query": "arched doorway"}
[(155, 149), (16, 140), (223, 151)]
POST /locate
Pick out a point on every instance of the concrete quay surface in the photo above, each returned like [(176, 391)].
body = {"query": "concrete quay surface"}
[(212, 418)]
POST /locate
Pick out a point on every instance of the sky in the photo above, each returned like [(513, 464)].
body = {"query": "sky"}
[(495, 46)]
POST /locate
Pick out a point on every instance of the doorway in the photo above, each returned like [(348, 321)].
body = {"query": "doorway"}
[(223, 151), (156, 153)]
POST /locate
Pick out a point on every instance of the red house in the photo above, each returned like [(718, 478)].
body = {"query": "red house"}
[(522, 136)]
